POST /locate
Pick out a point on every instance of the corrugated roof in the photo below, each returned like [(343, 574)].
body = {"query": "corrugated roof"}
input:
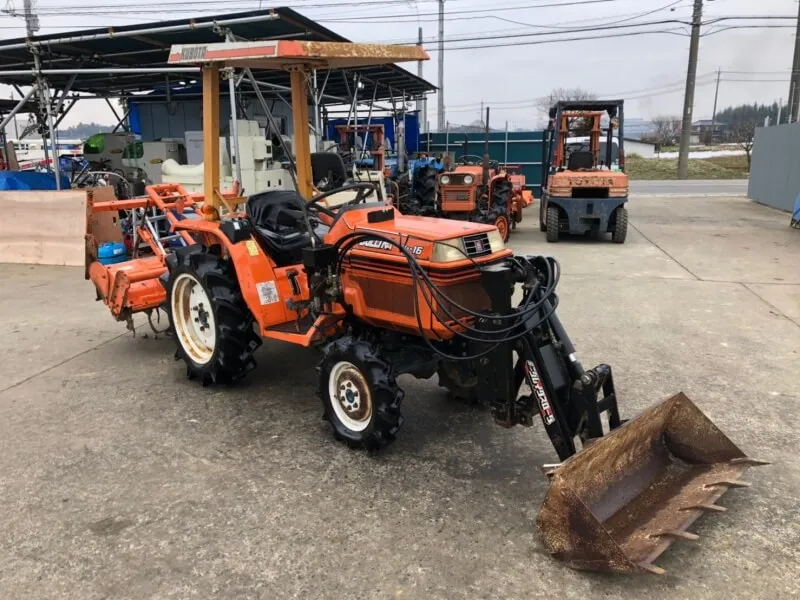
[(147, 45)]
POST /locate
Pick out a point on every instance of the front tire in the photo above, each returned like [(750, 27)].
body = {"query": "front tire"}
[(552, 224), (542, 216), (212, 325), (359, 394), (499, 218), (503, 226), (620, 226)]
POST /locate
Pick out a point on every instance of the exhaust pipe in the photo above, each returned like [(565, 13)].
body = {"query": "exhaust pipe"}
[(486, 149)]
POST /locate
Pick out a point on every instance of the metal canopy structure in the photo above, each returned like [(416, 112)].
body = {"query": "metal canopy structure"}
[(119, 61), (6, 106), (131, 62), (299, 59)]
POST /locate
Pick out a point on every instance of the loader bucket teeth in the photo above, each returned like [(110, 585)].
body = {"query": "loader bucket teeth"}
[(621, 501)]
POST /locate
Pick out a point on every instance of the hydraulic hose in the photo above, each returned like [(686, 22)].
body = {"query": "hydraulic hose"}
[(519, 317)]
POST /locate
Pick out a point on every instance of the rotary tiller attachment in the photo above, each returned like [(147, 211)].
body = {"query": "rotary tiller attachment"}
[(621, 501)]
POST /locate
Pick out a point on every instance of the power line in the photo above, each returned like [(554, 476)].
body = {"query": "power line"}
[(758, 80), (392, 18), (561, 40), (193, 4), (550, 33), (785, 72), (160, 6), (732, 27), (627, 18), (654, 90)]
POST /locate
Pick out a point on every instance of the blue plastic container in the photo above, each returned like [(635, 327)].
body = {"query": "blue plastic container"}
[(112, 253)]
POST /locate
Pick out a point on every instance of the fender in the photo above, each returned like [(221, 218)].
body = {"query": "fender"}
[(266, 288)]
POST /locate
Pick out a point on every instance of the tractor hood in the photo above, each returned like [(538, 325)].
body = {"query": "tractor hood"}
[(426, 238), (433, 229), (429, 229)]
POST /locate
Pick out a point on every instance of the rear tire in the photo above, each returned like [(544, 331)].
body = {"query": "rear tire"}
[(620, 226), (552, 224), (425, 188), (359, 394), (501, 194), (213, 328)]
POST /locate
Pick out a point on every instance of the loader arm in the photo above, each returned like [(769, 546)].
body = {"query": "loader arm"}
[(634, 487)]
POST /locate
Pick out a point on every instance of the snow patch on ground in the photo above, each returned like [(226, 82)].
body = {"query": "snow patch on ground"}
[(703, 154)]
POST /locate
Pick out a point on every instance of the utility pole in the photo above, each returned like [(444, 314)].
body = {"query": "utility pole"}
[(716, 97), (794, 85), (688, 101), (440, 108), (422, 107), (31, 19)]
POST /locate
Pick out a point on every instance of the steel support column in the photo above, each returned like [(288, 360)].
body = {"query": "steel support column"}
[(300, 125), (211, 135)]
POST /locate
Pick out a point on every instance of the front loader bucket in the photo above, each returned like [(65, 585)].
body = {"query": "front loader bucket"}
[(621, 501)]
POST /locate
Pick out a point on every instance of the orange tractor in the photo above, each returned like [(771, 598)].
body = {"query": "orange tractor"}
[(477, 189), (380, 294)]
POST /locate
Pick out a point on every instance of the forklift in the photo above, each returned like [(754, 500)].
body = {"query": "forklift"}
[(585, 187)]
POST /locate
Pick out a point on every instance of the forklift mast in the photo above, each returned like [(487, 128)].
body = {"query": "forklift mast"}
[(583, 117)]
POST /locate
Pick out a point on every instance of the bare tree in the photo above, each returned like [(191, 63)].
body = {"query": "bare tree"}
[(666, 129), (545, 103), (743, 133)]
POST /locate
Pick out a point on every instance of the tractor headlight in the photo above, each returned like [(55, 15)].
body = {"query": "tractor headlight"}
[(449, 251), (468, 179), (496, 241), (445, 179), (454, 250)]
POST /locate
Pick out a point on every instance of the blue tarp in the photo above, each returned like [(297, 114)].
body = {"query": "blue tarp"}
[(30, 180)]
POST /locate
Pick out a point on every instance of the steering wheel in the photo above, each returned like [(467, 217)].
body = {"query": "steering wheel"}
[(479, 161), (469, 159), (365, 190)]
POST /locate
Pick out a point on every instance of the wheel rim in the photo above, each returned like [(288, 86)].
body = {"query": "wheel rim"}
[(350, 396), (193, 318), (502, 226)]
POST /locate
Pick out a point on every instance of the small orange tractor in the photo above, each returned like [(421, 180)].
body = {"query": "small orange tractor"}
[(585, 187), (477, 189), (380, 294)]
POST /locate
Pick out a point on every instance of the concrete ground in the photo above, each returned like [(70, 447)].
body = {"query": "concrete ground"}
[(121, 479), (692, 187)]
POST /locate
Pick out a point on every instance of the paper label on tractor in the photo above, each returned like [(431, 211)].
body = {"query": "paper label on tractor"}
[(252, 249), (267, 292)]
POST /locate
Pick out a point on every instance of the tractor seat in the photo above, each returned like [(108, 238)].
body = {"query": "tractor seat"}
[(277, 218)]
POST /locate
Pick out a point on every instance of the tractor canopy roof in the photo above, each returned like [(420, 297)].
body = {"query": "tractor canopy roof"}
[(612, 107), (288, 54)]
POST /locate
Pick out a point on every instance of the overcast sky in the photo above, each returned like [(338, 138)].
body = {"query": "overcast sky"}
[(648, 71)]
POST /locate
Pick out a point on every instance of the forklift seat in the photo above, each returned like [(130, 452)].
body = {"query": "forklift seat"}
[(277, 218), (328, 166), (580, 160)]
